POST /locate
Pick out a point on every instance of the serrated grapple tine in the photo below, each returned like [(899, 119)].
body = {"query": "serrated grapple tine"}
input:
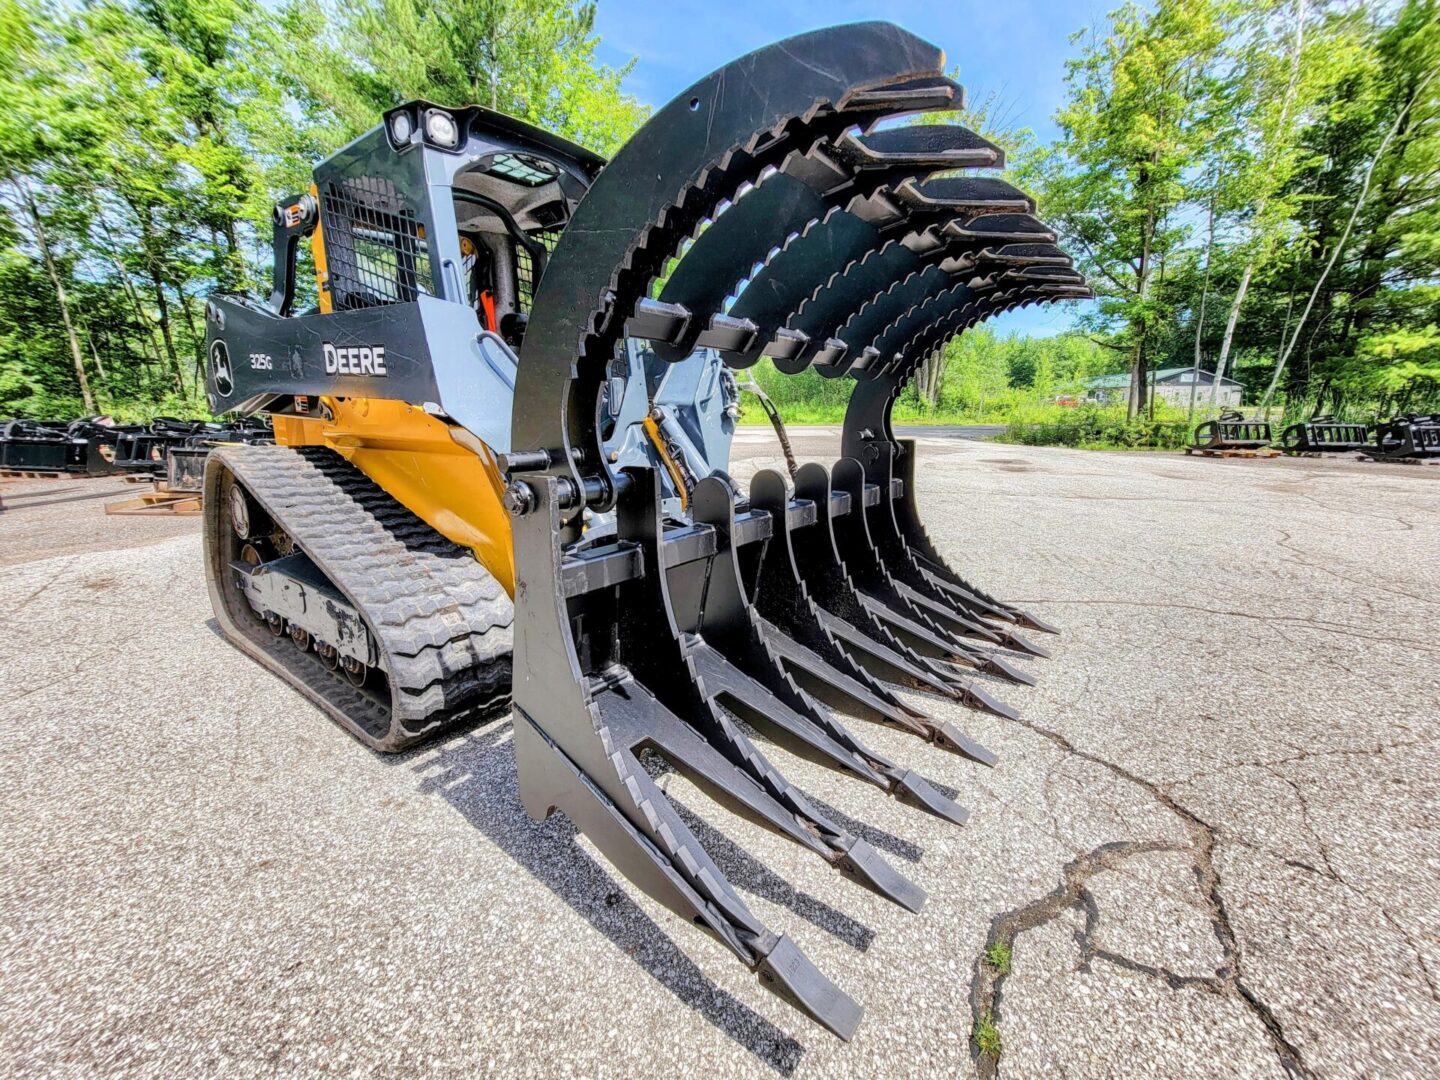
[(725, 616), (812, 545), (916, 791), (786, 972), (878, 591), (663, 858), (696, 682), (929, 560)]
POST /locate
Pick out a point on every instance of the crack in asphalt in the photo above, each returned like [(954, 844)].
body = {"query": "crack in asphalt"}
[(1072, 893), (1349, 629)]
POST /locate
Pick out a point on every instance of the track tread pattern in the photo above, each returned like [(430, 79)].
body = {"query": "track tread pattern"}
[(443, 622)]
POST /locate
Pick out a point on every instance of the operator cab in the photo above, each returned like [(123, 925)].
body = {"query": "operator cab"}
[(460, 204)]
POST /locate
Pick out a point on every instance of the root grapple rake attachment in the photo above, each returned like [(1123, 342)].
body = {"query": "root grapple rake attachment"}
[(84, 447), (1323, 434), (1231, 431), (665, 613), (145, 449), (1414, 436)]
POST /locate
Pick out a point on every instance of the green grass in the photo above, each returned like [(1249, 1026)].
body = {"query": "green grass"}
[(987, 1036), (998, 957)]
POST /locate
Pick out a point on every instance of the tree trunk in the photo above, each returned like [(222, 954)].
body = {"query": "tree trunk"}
[(1230, 330), (1204, 296), (62, 301), (1296, 51)]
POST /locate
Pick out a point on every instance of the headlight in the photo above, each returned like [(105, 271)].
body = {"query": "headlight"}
[(401, 128), (440, 126)]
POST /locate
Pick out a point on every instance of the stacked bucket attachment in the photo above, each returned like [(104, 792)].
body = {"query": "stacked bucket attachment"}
[(785, 224), (83, 447), (1323, 435), (1231, 431), (1407, 438)]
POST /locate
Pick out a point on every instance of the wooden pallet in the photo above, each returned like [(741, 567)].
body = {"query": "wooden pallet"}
[(33, 474), (1205, 451), (157, 503)]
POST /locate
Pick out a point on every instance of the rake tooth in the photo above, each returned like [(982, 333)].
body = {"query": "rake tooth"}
[(762, 709), (887, 662), (638, 718), (991, 664), (723, 612), (1030, 622), (1019, 643), (863, 865), (877, 590), (948, 617), (931, 643), (950, 608), (945, 735), (833, 686), (965, 597), (785, 971), (813, 546), (820, 553), (691, 678), (914, 790), (738, 629)]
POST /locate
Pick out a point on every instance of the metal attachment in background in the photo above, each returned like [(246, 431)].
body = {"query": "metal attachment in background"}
[(1231, 431)]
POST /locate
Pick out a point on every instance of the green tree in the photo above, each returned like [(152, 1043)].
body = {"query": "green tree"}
[(1141, 113)]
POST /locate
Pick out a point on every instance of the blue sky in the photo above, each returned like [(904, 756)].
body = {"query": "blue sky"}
[(1013, 49)]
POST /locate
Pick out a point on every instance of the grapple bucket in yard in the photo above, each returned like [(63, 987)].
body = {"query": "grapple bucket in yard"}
[(1323, 434), (656, 609), (1231, 431), (1416, 436)]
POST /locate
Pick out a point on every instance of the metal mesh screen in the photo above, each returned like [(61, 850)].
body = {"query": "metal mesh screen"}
[(375, 246), (525, 267)]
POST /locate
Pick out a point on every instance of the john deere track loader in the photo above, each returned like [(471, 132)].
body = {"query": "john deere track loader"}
[(502, 441)]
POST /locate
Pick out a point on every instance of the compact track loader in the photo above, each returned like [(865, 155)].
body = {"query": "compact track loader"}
[(500, 472)]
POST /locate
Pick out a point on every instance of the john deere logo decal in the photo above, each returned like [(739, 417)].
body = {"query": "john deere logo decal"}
[(355, 360), (220, 369)]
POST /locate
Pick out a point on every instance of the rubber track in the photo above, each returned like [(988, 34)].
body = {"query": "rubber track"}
[(442, 621)]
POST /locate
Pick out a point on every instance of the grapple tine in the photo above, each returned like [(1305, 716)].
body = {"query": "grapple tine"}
[(762, 709), (946, 735), (814, 546), (886, 662), (802, 562), (950, 619), (786, 972), (915, 790), (696, 682), (1019, 643), (991, 664), (917, 540), (724, 607), (829, 684), (637, 720), (877, 589)]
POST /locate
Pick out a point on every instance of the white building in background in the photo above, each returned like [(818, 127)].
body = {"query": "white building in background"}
[(1171, 384)]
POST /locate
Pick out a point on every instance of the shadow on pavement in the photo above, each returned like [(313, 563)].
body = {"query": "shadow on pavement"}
[(476, 775)]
